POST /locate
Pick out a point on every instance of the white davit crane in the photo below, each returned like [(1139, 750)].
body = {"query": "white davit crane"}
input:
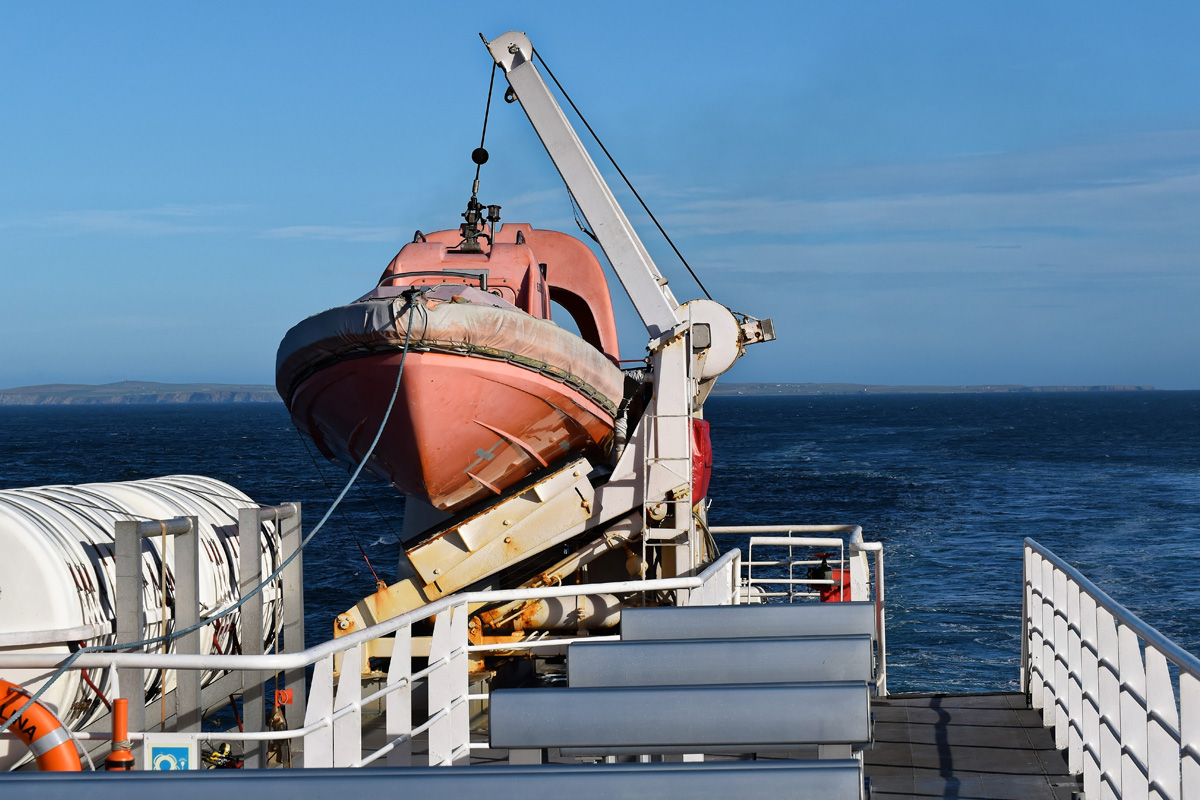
[(690, 344), (643, 282), (647, 495)]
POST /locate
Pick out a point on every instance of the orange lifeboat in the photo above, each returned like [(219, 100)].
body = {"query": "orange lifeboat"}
[(492, 389), (46, 737)]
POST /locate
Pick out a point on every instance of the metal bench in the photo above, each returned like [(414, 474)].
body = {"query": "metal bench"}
[(768, 780), (748, 621), (614, 721), (689, 662)]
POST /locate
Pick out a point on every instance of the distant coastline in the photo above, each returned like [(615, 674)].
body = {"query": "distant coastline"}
[(148, 392), (808, 389), (137, 393)]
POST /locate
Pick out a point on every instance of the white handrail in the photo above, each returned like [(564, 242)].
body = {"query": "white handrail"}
[(1102, 679), (332, 731), (854, 542), (313, 654)]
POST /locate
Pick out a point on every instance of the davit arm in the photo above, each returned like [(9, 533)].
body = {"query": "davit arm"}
[(690, 345)]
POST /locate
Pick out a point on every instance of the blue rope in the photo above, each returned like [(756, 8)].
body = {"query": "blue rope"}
[(412, 303)]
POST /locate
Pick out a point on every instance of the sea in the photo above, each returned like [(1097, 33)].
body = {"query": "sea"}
[(951, 484)]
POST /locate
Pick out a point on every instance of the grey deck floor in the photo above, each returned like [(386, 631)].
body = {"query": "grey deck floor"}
[(965, 746)]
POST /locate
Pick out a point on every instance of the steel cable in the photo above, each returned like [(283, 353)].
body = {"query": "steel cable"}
[(412, 303), (620, 172)]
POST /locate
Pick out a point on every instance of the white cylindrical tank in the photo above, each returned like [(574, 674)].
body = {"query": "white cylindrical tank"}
[(58, 576)]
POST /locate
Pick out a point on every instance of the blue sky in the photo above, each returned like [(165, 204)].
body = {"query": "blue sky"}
[(946, 193)]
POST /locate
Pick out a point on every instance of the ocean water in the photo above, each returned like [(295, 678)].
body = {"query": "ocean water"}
[(951, 484)]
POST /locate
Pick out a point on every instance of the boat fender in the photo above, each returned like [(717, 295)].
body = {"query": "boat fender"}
[(46, 737)]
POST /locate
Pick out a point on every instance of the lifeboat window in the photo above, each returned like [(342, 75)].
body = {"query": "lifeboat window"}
[(563, 319)]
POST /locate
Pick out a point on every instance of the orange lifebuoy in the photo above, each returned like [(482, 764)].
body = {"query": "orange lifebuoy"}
[(46, 737)]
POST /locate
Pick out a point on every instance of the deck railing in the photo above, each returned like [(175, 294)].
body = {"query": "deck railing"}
[(426, 694), (337, 708), (1124, 701), (777, 576)]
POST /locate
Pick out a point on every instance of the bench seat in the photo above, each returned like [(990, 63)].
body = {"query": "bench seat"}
[(748, 621), (680, 662), (755, 780), (692, 719)]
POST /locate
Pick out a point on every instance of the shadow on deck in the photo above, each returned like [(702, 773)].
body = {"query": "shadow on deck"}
[(971, 747)]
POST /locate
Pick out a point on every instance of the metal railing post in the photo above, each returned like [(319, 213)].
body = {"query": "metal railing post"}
[(251, 638), (1036, 634), (881, 624), (1049, 690), (1090, 675), (291, 533), (1074, 720), (441, 692), (1163, 764), (347, 729), (131, 681), (460, 687), (398, 722), (187, 614), (1189, 735), (318, 743), (127, 553), (1110, 700), (1059, 647), (1026, 591), (1134, 758), (735, 580), (449, 709)]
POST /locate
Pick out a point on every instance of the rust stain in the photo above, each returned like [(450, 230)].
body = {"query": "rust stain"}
[(528, 616), (475, 633)]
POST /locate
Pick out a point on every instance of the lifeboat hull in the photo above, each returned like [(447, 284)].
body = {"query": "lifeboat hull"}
[(488, 395)]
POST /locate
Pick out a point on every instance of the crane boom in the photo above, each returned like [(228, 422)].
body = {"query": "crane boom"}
[(641, 278)]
